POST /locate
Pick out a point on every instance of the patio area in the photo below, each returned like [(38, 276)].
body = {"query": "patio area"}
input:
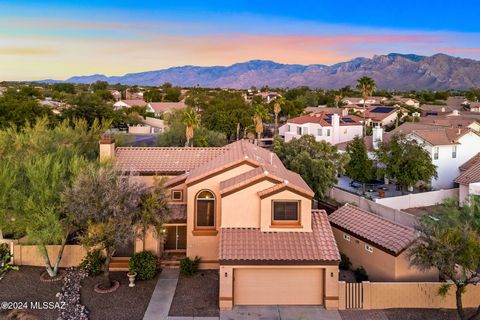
[(374, 190)]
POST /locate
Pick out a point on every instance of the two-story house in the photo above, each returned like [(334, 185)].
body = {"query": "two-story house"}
[(242, 212), (324, 126)]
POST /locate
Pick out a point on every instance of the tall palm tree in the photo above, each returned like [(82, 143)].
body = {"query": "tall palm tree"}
[(191, 120), (366, 86), (277, 108), (260, 113)]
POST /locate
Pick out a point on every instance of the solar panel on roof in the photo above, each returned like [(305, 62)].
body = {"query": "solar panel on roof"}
[(329, 115), (382, 110), (349, 120), (328, 121), (432, 113)]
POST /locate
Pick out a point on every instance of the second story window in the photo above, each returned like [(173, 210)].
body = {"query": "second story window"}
[(435, 153), (319, 132), (328, 132), (305, 130), (205, 210), (285, 212), (288, 128), (299, 131), (177, 195), (454, 151)]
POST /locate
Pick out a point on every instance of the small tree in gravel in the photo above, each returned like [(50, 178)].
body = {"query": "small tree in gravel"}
[(451, 243), (105, 203)]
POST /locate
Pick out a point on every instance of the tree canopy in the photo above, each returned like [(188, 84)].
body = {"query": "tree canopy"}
[(318, 162), (359, 167)]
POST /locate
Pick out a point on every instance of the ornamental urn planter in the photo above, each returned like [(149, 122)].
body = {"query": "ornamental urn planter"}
[(131, 278)]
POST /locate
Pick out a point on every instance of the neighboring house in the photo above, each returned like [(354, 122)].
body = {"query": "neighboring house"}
[(324, 108), (134, 95), (117, 95), (370, 100), (452, 120), (268, 96), (469, 179), (474, 106), (378, 245), (329, 127), (159, 108), (433, 109), (449, 149), (242, 212), (457, 102), (407, 101), (129, 104), (382, 115)]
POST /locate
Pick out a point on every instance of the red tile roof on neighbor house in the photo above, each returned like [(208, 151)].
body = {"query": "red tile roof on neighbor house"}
[(164, 161), (470, 162), (382, 233), (252, 246), (471, 175), (442, 136), (166, 106), (135, 103)]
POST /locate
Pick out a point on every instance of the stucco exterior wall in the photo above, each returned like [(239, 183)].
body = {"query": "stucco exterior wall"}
[(29, 255), (206, 246), (405, 272), (342, 134), (305, 212)]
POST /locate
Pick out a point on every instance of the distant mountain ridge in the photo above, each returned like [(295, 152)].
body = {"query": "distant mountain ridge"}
[(391, 71)]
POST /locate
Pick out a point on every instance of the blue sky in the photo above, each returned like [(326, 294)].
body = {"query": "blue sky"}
[(49, 38)]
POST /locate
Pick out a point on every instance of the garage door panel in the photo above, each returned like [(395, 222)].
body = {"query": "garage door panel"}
[(287, 286)]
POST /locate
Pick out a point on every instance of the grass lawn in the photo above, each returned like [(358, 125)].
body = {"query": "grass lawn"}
[(196, 296), (125, 303)]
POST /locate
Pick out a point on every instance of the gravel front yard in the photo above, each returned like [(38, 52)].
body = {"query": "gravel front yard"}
[(196, 296), (125, 303)]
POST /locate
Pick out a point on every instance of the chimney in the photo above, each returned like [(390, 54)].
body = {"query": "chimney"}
[(107, 148), (455, 113), (377, 136), (335, 128)]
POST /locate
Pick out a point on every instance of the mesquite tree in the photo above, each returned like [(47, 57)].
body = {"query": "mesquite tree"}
[(451, 243), (105, 203)]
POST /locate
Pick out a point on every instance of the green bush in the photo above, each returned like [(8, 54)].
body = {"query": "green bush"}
[(145, 264), (345, 263), (5, 260), (189, 267), (93, 263), (360, 274)]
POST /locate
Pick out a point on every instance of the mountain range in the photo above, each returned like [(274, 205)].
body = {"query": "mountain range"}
[(391, 71)]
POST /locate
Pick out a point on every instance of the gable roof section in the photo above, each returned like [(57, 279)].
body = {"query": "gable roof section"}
[(385, 234), (166, 106), (243, 180), (471, 175), (441, 136), (470, 162), (164, 161), (323, 118), (134, 102), (252, 246)]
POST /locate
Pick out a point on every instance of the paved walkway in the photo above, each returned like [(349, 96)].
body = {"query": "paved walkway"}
[(279, 313), (162, 296)]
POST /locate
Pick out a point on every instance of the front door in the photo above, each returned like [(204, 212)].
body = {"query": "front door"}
[(176, 239)]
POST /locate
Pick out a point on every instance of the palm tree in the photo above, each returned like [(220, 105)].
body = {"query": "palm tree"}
[(191, 120), (277, 108), (366, 86), (260, 113)]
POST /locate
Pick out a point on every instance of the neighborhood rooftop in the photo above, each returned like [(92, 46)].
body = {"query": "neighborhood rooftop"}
[(372, 228), (239, 245)]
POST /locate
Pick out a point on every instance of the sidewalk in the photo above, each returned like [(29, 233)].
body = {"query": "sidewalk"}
[(162, 297)]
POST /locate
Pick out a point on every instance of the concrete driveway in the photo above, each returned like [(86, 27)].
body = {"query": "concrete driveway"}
[(279, 313)]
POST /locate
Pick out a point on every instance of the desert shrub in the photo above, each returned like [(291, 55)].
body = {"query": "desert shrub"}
[(345, 263), (5, 260), (189, 267), (93, 262), (145, 264), (360, 274)]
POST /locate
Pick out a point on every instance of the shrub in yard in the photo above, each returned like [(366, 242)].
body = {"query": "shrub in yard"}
[(360, 274), (93, 262), (144, 264), (5, 260), (345, 263), (189, 267)]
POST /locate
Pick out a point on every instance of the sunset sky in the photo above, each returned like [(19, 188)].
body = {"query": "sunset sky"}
[(53, 39)]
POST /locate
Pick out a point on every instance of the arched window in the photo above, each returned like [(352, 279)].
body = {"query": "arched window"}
[(205, 206)]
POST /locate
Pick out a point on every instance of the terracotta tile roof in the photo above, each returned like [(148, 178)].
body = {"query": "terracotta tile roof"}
[(244, 151), (166, 106), (168, 160), (380, 232), (250, 245), (285, 186), (471, 175), (178, 213), (470, 163), (246, 178), (442, 136), (323, 118), (459, 121), (135, 103)]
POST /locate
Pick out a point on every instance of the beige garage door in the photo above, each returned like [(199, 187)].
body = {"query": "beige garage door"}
[(263, 286)]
